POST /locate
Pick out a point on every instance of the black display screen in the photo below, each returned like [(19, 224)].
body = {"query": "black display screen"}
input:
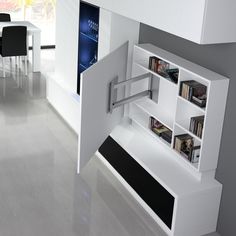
[(88, 38)]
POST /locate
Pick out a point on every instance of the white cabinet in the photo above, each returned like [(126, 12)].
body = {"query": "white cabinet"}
[(202, 21), (192, 185), (196, 203)]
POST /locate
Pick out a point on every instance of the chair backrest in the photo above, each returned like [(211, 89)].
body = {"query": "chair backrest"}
[(14, 41), (4, 17)]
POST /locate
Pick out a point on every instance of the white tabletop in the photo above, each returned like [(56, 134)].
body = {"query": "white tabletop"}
[(31, 28)]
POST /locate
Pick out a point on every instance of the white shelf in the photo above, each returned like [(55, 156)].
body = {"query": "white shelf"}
[(202, 109), (158, 112), (183, 125), (144, 67)]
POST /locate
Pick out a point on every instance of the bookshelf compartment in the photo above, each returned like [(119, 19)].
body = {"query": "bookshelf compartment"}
[(194, 106), (185, 111), (155, 110), (161, 106), (160, 130), (156, 65), (194, 89), (185, 125), (188, 146), (142, 119)]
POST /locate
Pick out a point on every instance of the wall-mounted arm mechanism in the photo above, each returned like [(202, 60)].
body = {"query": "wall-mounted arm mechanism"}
[(114, 85)]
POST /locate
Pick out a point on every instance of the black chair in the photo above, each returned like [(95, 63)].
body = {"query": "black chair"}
[(4, 17), (14, 44)]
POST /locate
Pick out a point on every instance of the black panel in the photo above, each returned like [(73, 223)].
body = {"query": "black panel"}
[(156, 197)]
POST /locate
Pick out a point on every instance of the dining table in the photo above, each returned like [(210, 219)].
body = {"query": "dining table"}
[(34, 32)]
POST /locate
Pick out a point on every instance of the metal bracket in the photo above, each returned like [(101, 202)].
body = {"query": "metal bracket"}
[(114, 85)]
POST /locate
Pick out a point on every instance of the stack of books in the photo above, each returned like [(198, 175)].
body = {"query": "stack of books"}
[(194, 92), (161, 130), (163, 68), (184, 144), (196, 125)]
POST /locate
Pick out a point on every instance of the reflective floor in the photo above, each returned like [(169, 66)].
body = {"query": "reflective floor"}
[(40, 192)]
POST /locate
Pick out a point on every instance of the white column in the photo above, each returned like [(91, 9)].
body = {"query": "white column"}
[(3, 67), (36, 54)]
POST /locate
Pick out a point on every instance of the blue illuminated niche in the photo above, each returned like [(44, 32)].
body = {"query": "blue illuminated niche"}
[(88, 38)]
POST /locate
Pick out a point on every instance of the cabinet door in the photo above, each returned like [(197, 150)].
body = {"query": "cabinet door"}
[(96, 123)]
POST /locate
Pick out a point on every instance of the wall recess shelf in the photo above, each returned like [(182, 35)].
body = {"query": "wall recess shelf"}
[(192, 185)]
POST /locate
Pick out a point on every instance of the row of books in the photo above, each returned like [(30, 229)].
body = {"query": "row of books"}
[(194, 92), (163, 68), (196, 125), (161, 130), (184, 144)]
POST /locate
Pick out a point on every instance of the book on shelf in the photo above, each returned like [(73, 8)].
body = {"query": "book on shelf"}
[(167, 136), (163, 68), (184, 144), (173, 74), (161, 130), (196, 125), (194, 92), (195, 154), (153, 62)]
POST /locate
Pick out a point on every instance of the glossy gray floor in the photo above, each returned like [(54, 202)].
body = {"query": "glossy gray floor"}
[(40, 192)]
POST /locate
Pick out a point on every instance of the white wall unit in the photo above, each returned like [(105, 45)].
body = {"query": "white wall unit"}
[(196, 192), (219, 21), (62, 85), (202, 21)]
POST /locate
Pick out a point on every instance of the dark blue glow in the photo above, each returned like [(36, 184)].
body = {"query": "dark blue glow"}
[(88, 37)]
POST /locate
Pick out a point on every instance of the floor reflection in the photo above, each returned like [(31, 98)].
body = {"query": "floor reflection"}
[(106, 208)]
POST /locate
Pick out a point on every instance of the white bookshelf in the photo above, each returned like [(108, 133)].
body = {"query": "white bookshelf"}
[(175, 112)]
